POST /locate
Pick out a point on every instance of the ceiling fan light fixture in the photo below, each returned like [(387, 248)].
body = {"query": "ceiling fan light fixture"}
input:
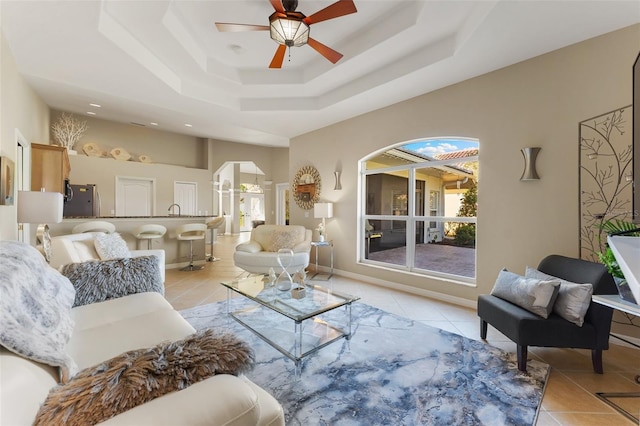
[(289, 29)]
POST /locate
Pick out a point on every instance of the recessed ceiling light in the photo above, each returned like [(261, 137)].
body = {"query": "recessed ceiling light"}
[(188, 125), (95, 105), (153, 124), (91, 113)]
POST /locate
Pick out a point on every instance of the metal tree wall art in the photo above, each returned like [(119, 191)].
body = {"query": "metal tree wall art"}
[(68, 130), (606, 148), (605, 177)]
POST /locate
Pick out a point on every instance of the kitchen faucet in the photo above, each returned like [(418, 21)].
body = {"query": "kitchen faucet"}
[(171, 206)]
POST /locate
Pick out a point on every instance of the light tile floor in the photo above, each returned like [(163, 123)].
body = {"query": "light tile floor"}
[(569, 398)]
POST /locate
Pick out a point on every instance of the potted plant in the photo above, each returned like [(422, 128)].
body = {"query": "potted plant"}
[(609, 260)]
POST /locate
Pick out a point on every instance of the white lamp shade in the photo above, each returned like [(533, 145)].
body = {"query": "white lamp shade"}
[(40, 207), (288, 29), (323, 210)]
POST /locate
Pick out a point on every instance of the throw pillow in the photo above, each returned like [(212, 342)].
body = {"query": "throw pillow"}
[(101, 392), (86, 250), (35, 307), (111, 246), (284, 239), (100, 280), (249, 247), (573, 299), (536, 296)]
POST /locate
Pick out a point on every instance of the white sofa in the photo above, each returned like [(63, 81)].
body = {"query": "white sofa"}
[(107, 329), (76, 248), (261, 252)]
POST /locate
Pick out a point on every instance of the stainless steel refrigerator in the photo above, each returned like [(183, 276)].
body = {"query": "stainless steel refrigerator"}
[(84, 201)]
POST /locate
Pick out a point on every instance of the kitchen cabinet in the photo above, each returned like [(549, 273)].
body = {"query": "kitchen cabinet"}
[(50, 168)]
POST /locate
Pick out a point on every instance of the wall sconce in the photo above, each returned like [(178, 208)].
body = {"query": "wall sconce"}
[(338, 186), (530, 154)]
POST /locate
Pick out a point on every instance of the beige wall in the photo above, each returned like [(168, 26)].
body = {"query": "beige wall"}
[(162, 147), (538, 102), (274, 162), (21, 109), (103, 171), (175, 157)]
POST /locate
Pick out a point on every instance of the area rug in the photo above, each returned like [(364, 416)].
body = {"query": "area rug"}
[(393, 371)]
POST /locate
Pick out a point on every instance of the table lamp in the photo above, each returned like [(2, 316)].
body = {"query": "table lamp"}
[(323, 210), (41, 208)]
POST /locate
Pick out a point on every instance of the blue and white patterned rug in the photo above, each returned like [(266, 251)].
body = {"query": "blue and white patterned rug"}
[(393, 371)]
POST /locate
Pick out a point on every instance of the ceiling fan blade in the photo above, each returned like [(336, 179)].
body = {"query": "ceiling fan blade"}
[(226, 27), (339, 8), (276, 62), (325, 51), (277, 5)]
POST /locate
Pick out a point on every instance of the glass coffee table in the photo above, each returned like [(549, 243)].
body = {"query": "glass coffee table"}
[(297, 327)]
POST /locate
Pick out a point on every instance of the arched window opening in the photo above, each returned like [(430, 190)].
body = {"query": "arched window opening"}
[(419, 207)]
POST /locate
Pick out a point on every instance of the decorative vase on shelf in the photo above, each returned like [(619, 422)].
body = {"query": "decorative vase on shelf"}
[(321, 238), (285, 257), (624, 290)]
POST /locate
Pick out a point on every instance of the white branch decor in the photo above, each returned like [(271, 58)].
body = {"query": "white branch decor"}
[(68, 130)]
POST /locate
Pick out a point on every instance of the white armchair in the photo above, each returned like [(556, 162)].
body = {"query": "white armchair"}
[(261, 252), (76, 248)]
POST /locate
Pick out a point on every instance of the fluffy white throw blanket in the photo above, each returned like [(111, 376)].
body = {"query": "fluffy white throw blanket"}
[(121, 383), (35, 307)]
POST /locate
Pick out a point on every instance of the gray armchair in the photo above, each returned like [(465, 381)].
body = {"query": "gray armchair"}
[(527, 329)]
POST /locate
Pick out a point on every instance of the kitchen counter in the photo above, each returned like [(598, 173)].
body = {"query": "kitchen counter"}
[(170, 216), (176, 251)]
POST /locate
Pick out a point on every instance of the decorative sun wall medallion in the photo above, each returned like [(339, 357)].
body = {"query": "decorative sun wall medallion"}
[(306, 187)]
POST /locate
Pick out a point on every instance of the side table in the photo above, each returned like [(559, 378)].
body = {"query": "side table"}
[(317, 245), (615, 302)]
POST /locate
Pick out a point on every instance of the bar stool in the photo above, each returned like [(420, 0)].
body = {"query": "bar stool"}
[(149, 232), (94, 226), (213, 225), (190, 232)]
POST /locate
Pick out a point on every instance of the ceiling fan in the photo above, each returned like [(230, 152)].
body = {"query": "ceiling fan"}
[(290, 28)]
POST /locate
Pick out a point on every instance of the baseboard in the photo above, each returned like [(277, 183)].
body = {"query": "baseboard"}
[(405, 288), (624, 340)]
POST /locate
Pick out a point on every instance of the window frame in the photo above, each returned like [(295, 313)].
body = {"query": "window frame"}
[(410, 218)]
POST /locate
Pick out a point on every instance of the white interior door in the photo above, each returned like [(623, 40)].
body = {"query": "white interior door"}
[(282, 204), (23, 175), (185, 194), (135, 196)]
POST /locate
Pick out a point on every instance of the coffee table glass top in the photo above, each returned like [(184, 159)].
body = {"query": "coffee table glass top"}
[(317, 300)]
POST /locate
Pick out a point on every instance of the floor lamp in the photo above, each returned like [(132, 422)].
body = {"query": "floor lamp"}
[(41, 208)]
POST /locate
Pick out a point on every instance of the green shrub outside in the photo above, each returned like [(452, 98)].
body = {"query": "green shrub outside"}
[(466, 235)]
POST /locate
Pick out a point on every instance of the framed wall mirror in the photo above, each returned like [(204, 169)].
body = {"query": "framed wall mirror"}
[(306, 187)]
